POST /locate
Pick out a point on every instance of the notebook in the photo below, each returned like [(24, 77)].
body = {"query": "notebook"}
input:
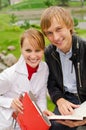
[(32, 118)]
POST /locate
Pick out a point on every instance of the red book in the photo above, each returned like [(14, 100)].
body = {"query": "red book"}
[(32, 118)]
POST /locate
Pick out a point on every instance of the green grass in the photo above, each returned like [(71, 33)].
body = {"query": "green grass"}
[(9, 35), (10, 38), (28, 5), (50, 104), (76, 3), (81, 32)]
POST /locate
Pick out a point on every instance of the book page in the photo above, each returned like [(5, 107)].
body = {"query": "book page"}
[(81, 111), (64, 117)]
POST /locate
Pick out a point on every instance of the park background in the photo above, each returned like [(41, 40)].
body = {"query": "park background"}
[(18, 15)]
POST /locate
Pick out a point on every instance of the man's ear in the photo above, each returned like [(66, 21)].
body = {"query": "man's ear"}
[(71, 31)]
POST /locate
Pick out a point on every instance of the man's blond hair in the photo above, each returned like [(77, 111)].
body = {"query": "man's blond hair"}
[(62, 16)]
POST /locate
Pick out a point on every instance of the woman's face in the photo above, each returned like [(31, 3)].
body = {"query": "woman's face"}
[(32, 55)]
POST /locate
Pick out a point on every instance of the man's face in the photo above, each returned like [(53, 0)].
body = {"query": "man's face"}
[(59, 35)]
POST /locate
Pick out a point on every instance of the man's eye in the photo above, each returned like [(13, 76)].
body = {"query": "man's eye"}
[(58, 29), (48, 33), (37, 50)]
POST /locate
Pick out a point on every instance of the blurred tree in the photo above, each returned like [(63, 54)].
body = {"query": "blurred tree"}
[(0, 4), (82, 2), (4, 3), (9, 2), (48, 3), (62, 2)]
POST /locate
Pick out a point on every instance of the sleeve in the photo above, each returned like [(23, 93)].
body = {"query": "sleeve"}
[(5, 86), (5, 102), (4, 82), (54, 91)]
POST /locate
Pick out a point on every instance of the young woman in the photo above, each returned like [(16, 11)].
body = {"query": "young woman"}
[(30, 73)]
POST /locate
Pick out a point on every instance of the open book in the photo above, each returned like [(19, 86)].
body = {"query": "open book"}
[(79, 114)]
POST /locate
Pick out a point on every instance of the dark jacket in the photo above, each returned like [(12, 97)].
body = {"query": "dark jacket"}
[(55, 82)]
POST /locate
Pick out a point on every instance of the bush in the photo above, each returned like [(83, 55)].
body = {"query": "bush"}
[(13, 18), (26, 24), (48, 3), (75, 22)]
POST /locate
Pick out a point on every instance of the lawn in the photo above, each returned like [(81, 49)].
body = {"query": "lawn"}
[(50, 105)]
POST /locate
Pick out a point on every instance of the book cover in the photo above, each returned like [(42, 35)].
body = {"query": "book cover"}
[(32, 118)]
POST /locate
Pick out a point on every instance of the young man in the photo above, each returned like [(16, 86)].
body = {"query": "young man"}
[(66, 58)]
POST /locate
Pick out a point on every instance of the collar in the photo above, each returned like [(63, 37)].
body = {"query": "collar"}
[(75, 48), (22, 68), (62, 53)]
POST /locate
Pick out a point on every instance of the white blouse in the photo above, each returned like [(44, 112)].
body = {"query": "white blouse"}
[(14, 81)]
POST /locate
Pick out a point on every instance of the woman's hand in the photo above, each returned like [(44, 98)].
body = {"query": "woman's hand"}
[(48, 113), (17, 105)]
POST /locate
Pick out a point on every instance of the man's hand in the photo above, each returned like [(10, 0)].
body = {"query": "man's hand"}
[(72, 123), (65, 107)]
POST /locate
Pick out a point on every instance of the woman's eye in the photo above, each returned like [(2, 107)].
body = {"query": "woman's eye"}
[(28, 50)]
